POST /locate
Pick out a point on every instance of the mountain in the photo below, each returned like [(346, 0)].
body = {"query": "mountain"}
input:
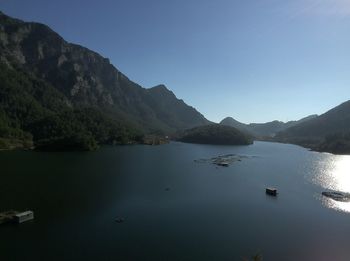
[(327, 132), (305, 119), (77, 81), (175, 113), (229, 121), (268, 129), (263, 130), (215, 134)]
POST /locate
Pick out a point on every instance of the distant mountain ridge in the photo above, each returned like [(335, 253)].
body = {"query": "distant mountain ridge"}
[(57, 94), (82, 79), (263, 130), (334, 120), (327, 132)]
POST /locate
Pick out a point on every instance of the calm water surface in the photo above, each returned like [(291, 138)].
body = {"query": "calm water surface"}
[(208, 212)]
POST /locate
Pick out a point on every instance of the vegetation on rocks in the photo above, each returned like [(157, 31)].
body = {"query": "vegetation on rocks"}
[(215, 134), (59, 95)]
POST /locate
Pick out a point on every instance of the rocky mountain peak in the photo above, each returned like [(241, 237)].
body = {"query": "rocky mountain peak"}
[(87, 79)]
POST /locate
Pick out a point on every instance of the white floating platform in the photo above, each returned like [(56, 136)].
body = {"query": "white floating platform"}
[(24, 216)]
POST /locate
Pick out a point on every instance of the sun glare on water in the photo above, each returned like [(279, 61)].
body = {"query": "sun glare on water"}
[(335, 176), (340, 174)]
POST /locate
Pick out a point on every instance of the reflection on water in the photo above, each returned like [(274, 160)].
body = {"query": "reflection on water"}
[(207, 214), (334, 174)]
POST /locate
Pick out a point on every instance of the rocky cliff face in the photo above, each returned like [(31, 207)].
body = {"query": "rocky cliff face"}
[(89, 80)]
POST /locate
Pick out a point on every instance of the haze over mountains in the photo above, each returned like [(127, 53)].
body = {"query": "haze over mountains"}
[(260, 130), (327, 132), (336, 119)]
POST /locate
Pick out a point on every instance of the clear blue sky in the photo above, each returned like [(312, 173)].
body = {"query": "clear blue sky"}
[(253, 60)]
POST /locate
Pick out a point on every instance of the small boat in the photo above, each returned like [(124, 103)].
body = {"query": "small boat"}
[(271, 191)]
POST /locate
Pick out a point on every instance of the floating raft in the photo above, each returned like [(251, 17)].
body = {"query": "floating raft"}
[(24, 216), (223, 160), (271, 191), (223, 164), (14, 216), (337, 195)]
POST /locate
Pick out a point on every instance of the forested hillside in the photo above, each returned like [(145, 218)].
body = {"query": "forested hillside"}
[(62, 95)]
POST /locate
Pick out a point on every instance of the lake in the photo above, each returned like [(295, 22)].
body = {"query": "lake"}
[(173, 207)]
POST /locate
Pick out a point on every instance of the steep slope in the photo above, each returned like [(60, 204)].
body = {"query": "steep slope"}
[(60, 93), (330, 127), (333, 121), (32, 109), (87, 79), (173, 112)]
